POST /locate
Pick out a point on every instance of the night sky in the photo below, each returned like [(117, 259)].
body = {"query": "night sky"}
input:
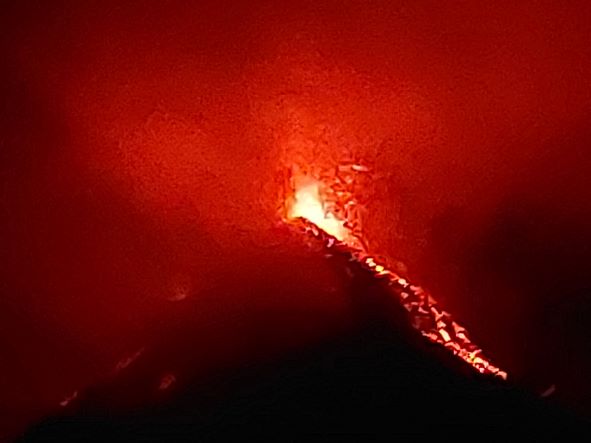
[(143, 154)]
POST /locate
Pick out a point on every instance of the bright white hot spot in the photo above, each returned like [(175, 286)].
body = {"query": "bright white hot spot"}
[(307, 203)]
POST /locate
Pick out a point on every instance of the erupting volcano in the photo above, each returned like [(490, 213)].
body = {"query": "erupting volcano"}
[(205, 208), (324, 210)]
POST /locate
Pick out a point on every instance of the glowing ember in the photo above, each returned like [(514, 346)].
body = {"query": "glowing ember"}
[(66, 401), (166, 381), (127, 361), (319, 210)]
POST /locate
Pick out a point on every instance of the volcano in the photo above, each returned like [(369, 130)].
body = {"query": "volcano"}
[(378, 376), (154, 269)]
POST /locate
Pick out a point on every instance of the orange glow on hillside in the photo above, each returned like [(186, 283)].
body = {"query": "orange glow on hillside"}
[(311, 204)]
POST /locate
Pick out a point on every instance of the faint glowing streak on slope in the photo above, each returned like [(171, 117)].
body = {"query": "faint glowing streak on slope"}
[(66, 401)]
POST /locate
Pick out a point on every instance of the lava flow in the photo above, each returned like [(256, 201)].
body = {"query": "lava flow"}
[(325, 211)]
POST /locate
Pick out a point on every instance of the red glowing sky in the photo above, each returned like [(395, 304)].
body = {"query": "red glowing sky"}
[(143, 150)]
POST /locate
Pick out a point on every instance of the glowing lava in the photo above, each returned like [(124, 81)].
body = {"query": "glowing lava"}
[(308, 204), (319, 214), (313, 201)]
